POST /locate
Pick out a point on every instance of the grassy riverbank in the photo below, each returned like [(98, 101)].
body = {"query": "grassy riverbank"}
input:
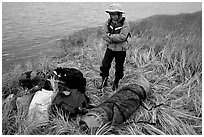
[(167, 50)]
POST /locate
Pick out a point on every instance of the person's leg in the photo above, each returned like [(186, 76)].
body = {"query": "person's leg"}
[(119, 62), (106, 65)]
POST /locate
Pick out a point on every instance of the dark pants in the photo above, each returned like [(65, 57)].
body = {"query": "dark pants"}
[(107, 60)]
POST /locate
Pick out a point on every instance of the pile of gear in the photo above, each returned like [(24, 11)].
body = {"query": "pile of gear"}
[(45, 94), (64, 89)]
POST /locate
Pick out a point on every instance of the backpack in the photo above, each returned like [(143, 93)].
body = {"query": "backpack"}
[(118, 108), (71, 97), (29, 83), (72, 78)]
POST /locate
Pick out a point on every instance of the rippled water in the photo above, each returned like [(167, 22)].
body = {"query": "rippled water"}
[(28, 28)]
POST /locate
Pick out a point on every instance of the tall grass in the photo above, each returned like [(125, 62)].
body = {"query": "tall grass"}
[(171, 62)]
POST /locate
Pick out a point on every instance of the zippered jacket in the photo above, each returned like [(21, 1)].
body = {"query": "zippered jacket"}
[(115, 34)]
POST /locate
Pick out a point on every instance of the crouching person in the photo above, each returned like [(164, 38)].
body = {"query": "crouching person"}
[(45, 94), (119, 107)]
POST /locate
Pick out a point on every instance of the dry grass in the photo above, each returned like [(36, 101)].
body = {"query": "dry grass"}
[(175, 71)]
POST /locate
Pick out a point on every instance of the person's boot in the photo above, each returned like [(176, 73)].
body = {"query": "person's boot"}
[(115, 84), (104, 83)]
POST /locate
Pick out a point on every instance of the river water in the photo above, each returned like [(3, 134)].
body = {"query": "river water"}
[(28, 27)]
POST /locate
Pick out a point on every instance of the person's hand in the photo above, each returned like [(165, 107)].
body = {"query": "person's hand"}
[(106, 37), (108, 34)]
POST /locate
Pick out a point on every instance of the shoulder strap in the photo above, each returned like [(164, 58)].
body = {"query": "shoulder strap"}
[(109, 22), (122, 20)]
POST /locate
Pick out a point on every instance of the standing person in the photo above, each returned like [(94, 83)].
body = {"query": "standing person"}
[(115, 32)]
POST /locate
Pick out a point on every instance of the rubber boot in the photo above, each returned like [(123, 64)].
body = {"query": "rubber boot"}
[(115, 84), (104, 83)]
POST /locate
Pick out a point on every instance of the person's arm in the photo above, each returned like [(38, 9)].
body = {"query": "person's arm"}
[(105, 33), (121, 37)]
